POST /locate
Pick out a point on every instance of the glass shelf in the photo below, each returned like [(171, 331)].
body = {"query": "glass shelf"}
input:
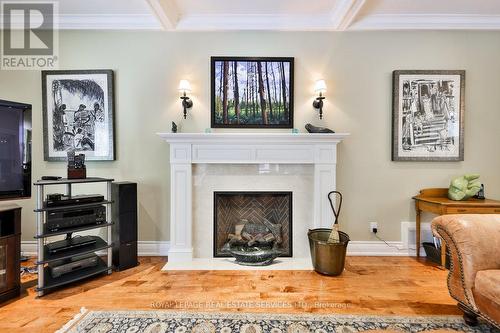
[(71, 230), (63, 181), (69, 207), (99, 245), (51, 282)]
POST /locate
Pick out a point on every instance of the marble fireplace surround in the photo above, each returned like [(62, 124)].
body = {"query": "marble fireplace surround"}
[(188, 149)]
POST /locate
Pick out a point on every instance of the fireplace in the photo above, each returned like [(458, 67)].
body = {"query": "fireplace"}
[(254, 219), (204, 163)]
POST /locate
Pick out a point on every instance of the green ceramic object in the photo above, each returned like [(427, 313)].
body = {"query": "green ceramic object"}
[(464, 187)]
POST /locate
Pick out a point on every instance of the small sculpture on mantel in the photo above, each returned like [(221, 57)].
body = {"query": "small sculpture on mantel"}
[(174, 127), (314, 129)]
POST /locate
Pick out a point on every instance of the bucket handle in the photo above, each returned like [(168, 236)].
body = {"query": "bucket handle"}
[(336, 212)]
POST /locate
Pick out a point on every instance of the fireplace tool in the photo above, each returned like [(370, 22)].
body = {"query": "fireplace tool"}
[(334, 235), (328, 246)]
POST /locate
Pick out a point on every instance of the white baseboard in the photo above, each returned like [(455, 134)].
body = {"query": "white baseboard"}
[(405, 247), (408, 235), (355, 248), (144, 248), (377, 248), (153, 248), (28, 248)]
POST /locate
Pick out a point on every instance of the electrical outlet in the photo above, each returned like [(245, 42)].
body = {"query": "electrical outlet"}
[(373, 225)]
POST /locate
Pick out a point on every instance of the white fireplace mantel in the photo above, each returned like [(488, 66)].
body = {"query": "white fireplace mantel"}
[(187, 149)]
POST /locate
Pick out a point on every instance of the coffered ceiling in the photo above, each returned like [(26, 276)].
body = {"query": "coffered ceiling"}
[(292, 15)]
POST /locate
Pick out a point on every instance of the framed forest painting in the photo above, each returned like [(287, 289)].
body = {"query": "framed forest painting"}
[(78, 114), (252, 92), (428, 115)]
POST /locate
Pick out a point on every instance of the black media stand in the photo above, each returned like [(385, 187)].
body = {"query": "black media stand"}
[(45, 280)]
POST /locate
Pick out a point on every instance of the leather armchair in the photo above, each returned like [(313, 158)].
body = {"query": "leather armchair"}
[(474, 277)]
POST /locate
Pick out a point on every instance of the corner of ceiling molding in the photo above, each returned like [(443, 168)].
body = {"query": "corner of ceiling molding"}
[(345, 12), (167, 13)]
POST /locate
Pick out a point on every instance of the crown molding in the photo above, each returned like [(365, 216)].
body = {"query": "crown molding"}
[(109, 22), (337, 20), (427, 22), (281, 22)]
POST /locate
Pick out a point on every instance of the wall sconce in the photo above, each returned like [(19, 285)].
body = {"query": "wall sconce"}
[(319, 87), (187, 103)]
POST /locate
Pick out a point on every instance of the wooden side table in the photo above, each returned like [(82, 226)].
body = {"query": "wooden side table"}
[(10, 251), (435, 200)]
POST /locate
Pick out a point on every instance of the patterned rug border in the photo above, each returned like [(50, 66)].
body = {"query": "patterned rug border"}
[(85, 315), (277, 316)]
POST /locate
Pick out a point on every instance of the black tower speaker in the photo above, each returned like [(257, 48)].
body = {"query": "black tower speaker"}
[(124, 212)]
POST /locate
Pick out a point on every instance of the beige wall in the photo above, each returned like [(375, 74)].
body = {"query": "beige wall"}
[(357, 67)]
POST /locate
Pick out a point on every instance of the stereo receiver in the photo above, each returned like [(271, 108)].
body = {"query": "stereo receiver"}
[(74, 218)]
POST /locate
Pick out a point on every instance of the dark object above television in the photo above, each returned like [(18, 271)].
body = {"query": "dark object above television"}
[(15, 150), (252, 92)]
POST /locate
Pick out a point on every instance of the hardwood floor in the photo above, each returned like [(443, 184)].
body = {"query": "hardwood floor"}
[(370, 285)]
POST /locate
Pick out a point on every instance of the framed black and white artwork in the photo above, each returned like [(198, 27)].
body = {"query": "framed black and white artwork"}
[(252, 92), (428, 115), (78, 114)]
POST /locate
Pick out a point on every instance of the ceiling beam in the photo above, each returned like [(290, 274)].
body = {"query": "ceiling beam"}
[(236, 22), (166, 12), (344, 13)]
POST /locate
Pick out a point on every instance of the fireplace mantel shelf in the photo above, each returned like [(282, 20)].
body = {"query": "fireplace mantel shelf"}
[(187, 149), (253, 138), (251, 148)]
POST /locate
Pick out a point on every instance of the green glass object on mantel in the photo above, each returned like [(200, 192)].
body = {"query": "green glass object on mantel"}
[(464, 187)]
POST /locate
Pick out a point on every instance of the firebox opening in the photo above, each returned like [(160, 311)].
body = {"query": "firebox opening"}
[(253, 219)]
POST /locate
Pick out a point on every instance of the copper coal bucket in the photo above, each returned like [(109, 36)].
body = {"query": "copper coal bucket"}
[(327, 258)]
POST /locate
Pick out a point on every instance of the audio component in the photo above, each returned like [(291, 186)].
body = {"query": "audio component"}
[(60, 200), (51, 178), (65, 266), (74, 218), (70, 244), (124, 215)]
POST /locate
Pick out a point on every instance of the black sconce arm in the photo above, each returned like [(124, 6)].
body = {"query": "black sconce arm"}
[(187, 103), (318, 104)]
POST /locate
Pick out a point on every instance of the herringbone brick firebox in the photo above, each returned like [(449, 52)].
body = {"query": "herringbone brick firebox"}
[(233, 209)]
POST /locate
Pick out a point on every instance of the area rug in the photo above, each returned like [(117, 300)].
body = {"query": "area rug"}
[(189, 322)]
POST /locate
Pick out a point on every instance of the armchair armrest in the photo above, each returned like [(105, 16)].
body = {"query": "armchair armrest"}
[(474, 243)]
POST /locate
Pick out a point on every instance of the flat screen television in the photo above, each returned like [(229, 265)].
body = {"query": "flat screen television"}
[(15, 150)]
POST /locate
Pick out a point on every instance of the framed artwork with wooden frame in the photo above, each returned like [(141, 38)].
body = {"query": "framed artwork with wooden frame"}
[(428, 115), (251, 92)]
